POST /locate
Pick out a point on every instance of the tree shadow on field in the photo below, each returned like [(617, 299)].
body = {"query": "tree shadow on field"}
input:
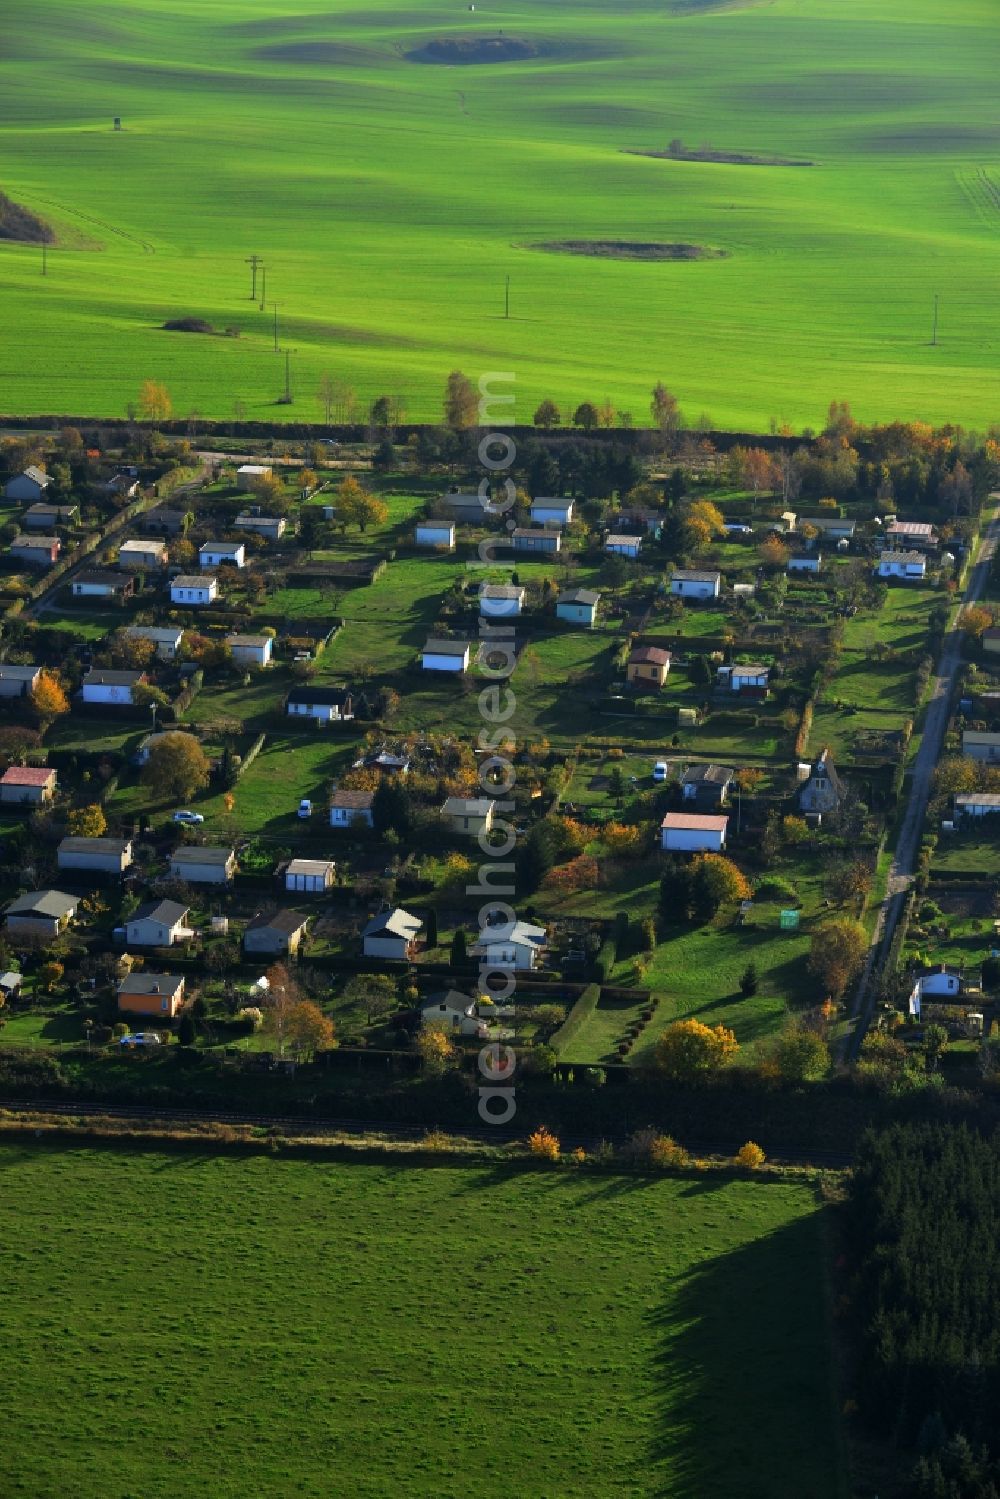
[(743, 1375), (589, 1185)]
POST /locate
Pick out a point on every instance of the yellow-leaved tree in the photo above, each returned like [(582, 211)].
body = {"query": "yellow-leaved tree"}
[(435, 1050), (49, 697), (357, 507), (87, 822), (689, 1049), (837, 952), (154, 401)]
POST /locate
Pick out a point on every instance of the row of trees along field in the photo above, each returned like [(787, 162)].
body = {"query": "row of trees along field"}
[(924, 1224)]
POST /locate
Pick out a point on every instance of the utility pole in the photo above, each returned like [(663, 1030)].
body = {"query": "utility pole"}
[(934, 334), (506, 297), (253, 261), (275, 306), (288, 378), (263, 286)]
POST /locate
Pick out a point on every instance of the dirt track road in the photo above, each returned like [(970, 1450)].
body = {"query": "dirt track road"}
[(907, 849)]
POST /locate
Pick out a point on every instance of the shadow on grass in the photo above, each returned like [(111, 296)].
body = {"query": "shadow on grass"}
[(744, 1375)]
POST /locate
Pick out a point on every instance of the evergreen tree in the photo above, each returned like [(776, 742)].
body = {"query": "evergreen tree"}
[(749, 980), (459, 949), (675, 893), (391, 807), (186, 1029), (534, 859)]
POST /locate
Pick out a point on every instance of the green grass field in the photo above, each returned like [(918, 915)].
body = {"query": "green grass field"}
[(186, 1325), (390, 198)]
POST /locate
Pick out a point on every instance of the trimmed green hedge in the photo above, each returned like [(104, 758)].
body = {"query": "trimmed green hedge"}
[(581, 1012)]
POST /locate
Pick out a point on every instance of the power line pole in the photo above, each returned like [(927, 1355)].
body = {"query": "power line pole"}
[(506, 297), (263, 286), (934, 334), (275, 306), (253, 261), (288, 378)]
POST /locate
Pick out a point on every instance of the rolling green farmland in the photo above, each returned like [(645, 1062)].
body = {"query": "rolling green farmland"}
[(233, 1325), (390, 197)]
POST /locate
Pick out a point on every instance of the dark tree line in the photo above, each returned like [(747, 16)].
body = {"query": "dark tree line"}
[(925, 1223)]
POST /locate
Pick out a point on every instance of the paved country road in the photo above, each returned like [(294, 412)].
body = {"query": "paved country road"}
[(908, 846), (52, 596)]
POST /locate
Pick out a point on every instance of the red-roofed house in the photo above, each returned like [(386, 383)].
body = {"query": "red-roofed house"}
[(692, 832), (27, 785), (648, 666)]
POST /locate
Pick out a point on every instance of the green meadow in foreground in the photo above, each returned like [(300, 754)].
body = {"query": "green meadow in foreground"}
[(183, 1324), (390, 197)]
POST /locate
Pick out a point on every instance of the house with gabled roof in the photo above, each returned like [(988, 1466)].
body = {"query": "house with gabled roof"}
[(695, 583), (906, 534), (350, 809), (469, 815), (29, 485), (163, 521), (511, 944), (27, 785), (578, 606), (279, 932), (271, 527), (36, 551), (827, 527), (159, 994), (99, 855), (143, 554), (166, 638), (48, 517), (546, 540), (321, 704), (16, 680), (648, 666), (693, 832), (749, 679), (188, 588), (823, 792), (199, 865), (113, 687), (392, 934), (546, 510), (41, 913), (446, 655), (222, 554), (707, 785), (250, 650), (102, 583), (501, 600), (910, 566), (158, 923), (310, 876), (454, 1013), (621, 545)]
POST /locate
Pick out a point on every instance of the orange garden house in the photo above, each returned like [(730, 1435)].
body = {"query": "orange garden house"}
[(152, 994), (648, 666)]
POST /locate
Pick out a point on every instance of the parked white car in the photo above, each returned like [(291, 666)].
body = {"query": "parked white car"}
[(194, 818), (660, 771)]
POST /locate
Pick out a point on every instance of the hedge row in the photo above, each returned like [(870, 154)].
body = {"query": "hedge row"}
[(562, 1039)]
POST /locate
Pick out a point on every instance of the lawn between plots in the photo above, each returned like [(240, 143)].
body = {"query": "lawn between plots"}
[(324, 1330)]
